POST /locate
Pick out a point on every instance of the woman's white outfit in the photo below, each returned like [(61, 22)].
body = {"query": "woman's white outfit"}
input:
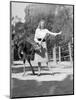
[(40, 35)]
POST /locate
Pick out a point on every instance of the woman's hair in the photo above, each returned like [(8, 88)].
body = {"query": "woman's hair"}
[(39, 25)]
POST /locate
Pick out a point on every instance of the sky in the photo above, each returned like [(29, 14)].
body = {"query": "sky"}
[(18, 9)]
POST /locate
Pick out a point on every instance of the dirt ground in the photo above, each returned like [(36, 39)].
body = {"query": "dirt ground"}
[(57, 81)]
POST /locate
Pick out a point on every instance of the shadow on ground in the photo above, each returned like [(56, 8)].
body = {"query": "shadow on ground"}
[(28, 88), (28, 68)]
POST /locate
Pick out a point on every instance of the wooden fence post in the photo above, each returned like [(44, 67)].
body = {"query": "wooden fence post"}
[(54, 54), (70, 53), (59, 54)]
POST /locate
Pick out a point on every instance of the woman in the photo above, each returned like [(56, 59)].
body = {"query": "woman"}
[(40, 34)]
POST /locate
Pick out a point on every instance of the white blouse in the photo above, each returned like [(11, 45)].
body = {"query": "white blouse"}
[(41, 33)]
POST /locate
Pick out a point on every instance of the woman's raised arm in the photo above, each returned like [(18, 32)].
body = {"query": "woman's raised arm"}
[(51, 33)]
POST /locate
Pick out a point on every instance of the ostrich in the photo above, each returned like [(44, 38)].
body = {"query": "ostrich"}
[(29, 48)]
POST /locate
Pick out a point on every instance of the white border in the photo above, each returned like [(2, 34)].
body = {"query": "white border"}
[(5, 45)]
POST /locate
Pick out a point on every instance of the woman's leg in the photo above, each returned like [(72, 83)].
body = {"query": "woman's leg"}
[(39, 65), (24, 61), (47, 60)]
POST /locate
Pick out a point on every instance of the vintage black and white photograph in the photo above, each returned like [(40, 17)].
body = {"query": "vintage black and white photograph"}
[(41, 49)]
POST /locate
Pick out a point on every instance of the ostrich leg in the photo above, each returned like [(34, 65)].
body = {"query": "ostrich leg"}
[(31, 67)]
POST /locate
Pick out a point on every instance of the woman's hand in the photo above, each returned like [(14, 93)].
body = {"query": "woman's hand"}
[(60, 33)]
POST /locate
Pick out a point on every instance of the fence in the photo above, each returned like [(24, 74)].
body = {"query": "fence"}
[(61, 53)]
